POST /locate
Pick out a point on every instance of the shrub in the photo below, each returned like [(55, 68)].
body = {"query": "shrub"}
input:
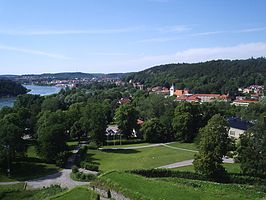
[(79, 176), (75, 169), (89, 166)]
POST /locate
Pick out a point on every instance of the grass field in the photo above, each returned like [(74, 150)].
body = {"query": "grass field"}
[(138, 187), (139, 158), (77, 193), (230, 167), (16, 192), (30, 167)]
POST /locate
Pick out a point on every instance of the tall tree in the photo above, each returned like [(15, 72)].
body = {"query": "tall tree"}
[(154, 131), (11, 142), (126, 118), (252, 151), (186, 121), (214, 144)]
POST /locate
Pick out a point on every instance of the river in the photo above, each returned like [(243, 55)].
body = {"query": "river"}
[(35, 89)]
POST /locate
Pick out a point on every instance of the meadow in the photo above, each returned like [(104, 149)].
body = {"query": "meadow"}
[(143, 158), (141, 188)]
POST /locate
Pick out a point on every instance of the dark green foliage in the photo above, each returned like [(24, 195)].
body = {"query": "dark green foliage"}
[(252, 151), (75, 169), (186, 121), (214, 143), (89, 166), (126, 118), (11, 142), (221, 76), (79, 176), (154, 132), (11, 88), (52, 135)]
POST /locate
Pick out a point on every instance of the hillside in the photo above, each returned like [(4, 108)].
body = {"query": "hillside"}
[(220, 76), (11, 88)]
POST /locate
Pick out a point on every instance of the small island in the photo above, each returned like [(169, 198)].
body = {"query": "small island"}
[(9, 88)]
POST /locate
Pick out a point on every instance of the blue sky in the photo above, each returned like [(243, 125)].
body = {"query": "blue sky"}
[(126, 35)]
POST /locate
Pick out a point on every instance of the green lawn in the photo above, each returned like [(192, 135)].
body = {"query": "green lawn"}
[(230, 167), (72, 144), (138, 158), (30, 167), (17, 192), (77, 193), (190, 146), (138, 187)]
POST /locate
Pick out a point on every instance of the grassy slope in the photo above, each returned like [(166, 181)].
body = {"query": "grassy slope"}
[(29, 168), (138, 187), (16, 192), (138, 158), (76, 194)]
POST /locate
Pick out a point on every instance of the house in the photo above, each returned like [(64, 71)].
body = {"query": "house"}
[(124, 101), (237, 127), (190, 98), (244, 102), (212, 97), (200, 97)]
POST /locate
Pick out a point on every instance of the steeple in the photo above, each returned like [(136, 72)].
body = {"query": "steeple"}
[(172, 90)]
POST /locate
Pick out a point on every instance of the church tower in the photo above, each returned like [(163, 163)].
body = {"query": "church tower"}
[(172, 90)]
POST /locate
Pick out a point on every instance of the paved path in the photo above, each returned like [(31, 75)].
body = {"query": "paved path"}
[(10, 183), (61, 178), (138, 147), (188, 163)]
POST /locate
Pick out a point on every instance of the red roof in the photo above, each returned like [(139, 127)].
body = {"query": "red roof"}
[(246, 101), (207, 95)]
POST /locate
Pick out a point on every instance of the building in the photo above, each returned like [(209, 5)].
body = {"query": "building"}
[(244, 102), (183, 95), (237, 127)]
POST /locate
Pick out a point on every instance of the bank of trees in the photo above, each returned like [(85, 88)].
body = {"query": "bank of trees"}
[(11, 88), (217, 76)]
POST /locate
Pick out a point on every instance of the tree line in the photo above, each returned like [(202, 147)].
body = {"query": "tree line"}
[(217, 76)]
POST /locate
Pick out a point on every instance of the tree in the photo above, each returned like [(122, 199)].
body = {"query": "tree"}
[(126, 118), (76, 130), (95, 120), (52, 134), (11, 142), (214, 144), (252, 151), (153, 131), (186, 121)]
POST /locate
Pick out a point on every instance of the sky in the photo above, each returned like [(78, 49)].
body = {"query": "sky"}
[(106, 36)]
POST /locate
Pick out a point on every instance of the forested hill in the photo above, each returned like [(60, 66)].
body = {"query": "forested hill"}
[(220, 76), (11, 88)]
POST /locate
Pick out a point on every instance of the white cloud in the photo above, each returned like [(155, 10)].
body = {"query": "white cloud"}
[(241, 51), (33, 52), (108, 54), (258, 29), (173, 29), (69, 31)]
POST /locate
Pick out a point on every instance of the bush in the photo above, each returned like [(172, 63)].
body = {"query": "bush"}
[(75, 169), (89, 166), (79, 176)]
